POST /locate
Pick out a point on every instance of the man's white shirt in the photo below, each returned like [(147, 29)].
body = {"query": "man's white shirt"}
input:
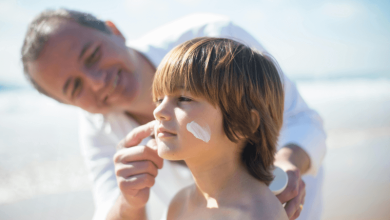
[(99, 134)]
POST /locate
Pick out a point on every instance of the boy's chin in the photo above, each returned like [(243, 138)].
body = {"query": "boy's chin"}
[(167, 153)]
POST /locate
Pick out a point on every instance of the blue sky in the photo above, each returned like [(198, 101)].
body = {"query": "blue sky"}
[(308, 38)]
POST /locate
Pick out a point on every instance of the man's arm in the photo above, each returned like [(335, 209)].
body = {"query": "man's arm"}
[(294, 161), (302, 127), (293, 154), (303, 148)]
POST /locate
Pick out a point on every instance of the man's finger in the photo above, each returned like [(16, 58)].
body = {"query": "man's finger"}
[(292, 188), (134, 168), (152, 144), (303, 187), (136, 182), (292, 207), (138, 153), (120, 145), (299, 210), (138, 134)]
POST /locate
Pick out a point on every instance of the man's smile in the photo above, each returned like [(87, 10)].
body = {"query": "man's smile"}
[(114, 84)]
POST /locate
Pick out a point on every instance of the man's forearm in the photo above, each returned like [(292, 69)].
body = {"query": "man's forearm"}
[(123, 211), (295, 155)]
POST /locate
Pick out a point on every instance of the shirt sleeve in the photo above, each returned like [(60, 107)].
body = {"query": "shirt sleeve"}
[(301, 125), (98, 146)]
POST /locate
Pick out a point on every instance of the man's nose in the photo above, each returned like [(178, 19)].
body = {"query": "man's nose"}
[(163, 111), (96, 80)]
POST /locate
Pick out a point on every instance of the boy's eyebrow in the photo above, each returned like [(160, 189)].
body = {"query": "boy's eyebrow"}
[(86, 46)]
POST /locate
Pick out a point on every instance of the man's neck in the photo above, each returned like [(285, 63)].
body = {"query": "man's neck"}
[(142, 110)]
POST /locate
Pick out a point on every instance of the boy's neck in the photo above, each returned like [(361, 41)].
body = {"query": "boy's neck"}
[(224, 178)]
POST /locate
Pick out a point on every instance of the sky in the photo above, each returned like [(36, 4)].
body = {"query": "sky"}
[(308, 38)]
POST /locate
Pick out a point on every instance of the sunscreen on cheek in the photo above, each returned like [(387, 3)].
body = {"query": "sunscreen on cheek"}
[(199, 132)]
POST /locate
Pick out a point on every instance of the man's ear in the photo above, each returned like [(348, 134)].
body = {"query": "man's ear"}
[(255, 120), (114, 29)]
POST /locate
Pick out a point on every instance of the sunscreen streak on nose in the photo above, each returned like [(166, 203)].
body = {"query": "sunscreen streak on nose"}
[(199, 132)]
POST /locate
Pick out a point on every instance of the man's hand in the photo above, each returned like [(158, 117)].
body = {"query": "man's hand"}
[(294, 194), (136, 167), (294, 161)]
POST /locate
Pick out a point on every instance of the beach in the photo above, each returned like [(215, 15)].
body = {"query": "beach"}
[(42, 173), (356, 117)]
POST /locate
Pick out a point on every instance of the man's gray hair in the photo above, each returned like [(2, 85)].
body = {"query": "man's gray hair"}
[(38, 33)]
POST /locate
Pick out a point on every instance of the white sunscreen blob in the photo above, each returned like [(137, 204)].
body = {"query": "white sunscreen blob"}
[(280, 181), (199, 132)]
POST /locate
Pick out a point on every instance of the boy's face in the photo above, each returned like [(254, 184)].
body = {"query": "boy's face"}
[(88, 68), (188, 127)]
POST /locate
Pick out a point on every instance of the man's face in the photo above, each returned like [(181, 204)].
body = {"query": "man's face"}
[(88, 68)]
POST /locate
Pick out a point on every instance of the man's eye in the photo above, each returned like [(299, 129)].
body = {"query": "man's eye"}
[(94, 57), (184, 99), (77, 87)]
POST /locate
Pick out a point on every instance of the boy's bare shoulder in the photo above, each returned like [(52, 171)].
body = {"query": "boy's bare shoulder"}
[(269, 207), (264, 207), (179, 203), (272, 213)]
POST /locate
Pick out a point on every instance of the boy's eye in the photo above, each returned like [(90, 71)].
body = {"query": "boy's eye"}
[(184, 99)]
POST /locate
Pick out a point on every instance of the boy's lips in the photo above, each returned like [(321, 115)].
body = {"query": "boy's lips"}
[(165, 133)]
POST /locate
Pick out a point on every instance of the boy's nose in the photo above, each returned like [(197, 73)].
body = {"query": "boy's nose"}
[(162, 112)]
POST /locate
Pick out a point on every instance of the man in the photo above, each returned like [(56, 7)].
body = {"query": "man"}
[(79, 60)]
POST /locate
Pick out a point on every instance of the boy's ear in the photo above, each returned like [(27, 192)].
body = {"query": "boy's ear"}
[(114, 29), (255, 120)]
